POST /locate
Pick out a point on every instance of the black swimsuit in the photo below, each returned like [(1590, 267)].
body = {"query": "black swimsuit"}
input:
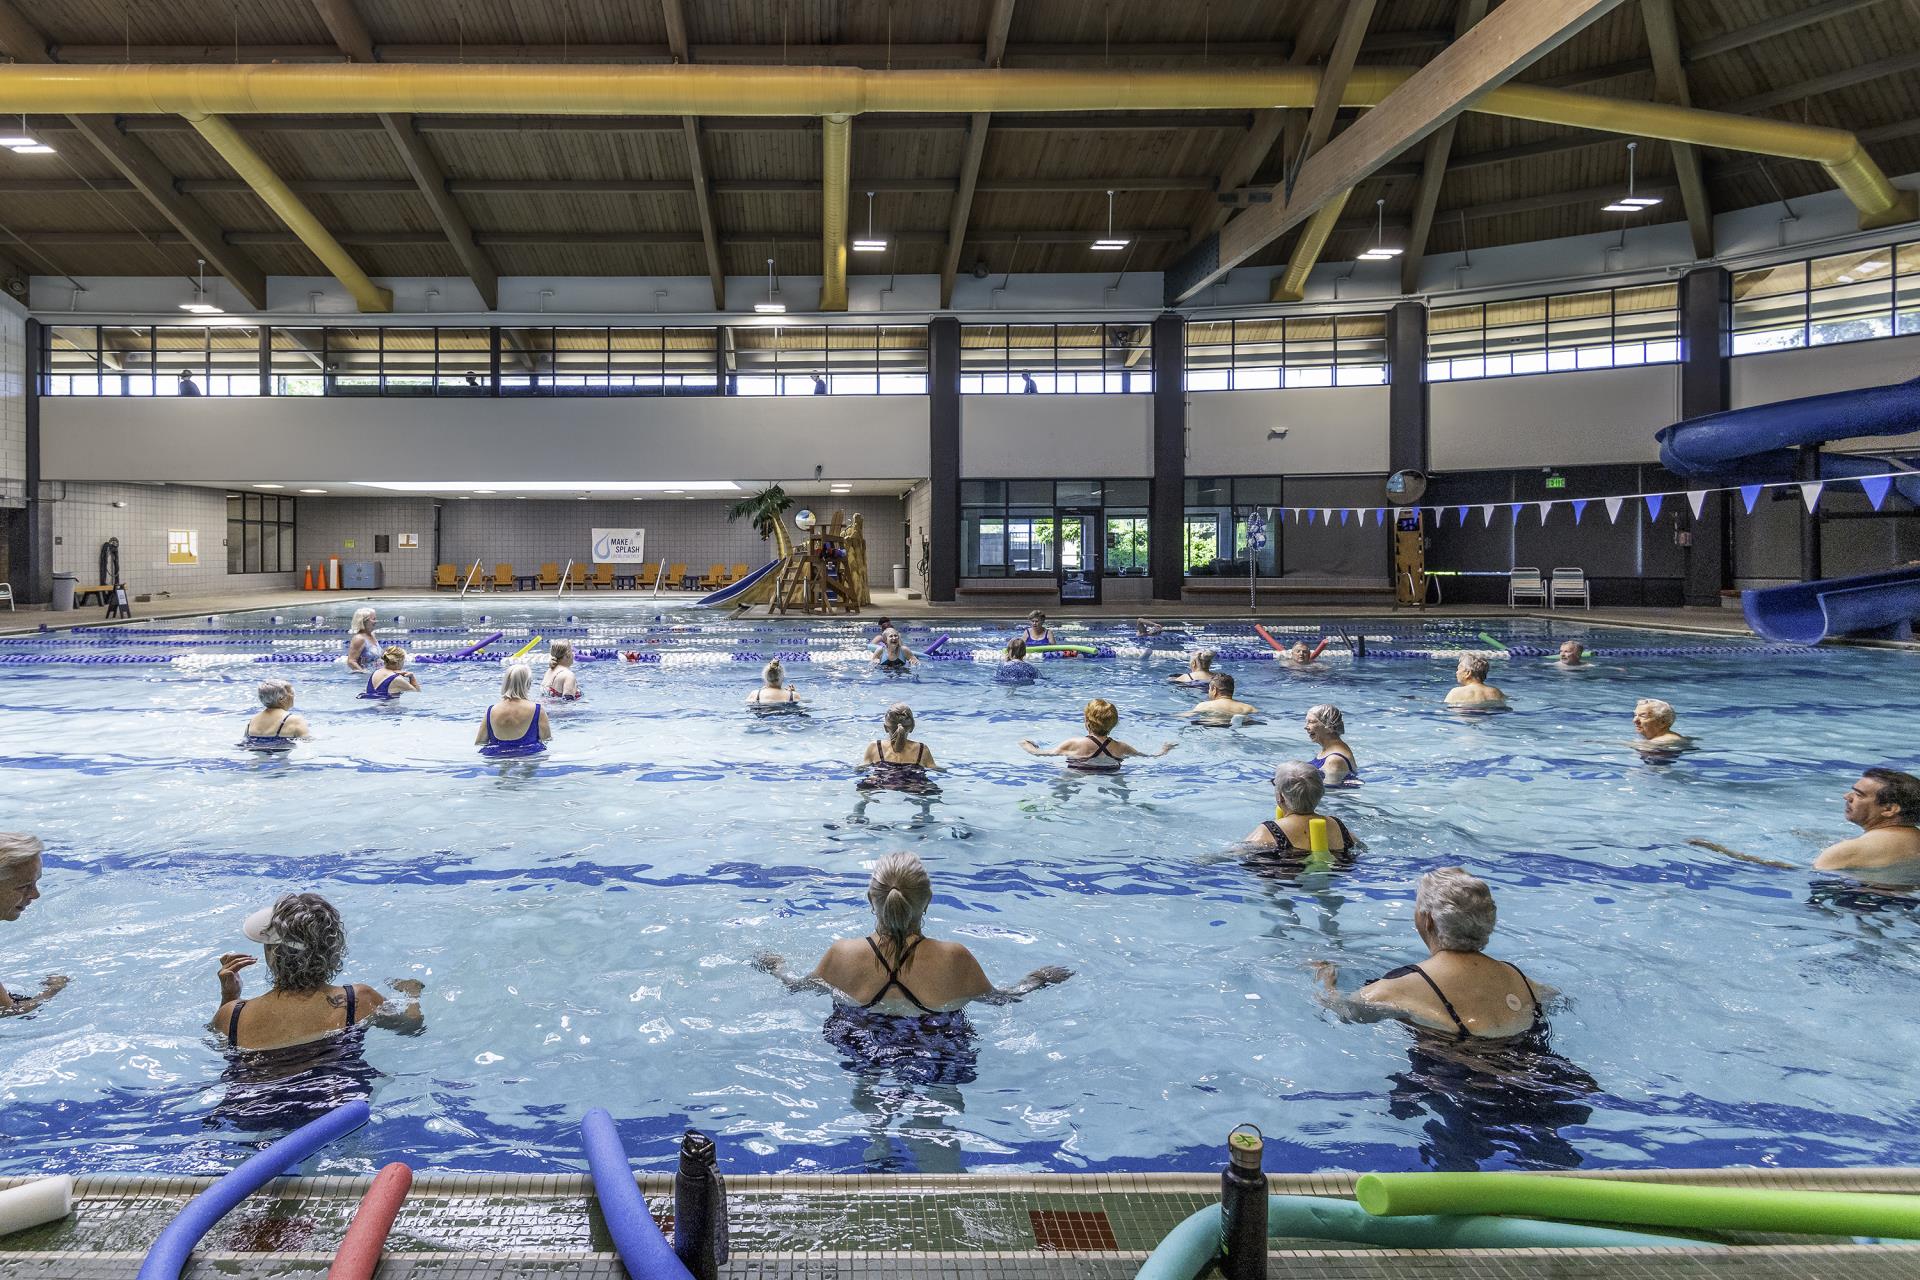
[(1101, 761), (1283, 845), (893, 975), (1405, 970), (233, 1021)]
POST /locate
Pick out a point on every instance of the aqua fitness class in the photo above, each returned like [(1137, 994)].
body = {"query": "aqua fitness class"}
[(1012, 641)]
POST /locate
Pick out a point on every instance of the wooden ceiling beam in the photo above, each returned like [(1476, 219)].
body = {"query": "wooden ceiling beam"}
[(1510, 39), (1433, 170), (1899, 64), (1060, 122), (994, 46), (676, 21), (1670, 84), (608, 186), (398, 238)]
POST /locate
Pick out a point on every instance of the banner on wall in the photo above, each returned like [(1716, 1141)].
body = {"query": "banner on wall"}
[(619, 546)]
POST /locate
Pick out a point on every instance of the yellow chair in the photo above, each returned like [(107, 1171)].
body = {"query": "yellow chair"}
[(549, 574), (445, 575), (603, 577), (736, 573), (714, 578), (649, 570), (503, 577), (577, 576), (676, 576)]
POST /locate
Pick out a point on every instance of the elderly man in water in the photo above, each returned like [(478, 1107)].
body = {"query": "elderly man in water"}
[(1471, 687), (1653, 722), (20, 889), (1885, 805), (1573, 656)]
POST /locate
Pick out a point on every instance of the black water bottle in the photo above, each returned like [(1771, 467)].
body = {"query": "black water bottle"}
[(1243, 1208), (699, 1208)]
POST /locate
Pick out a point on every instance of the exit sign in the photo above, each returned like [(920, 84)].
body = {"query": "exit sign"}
[(1556, 482)]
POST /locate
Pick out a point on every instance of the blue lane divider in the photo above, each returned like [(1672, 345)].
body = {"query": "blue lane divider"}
[(168, 1257), (636, 1236)]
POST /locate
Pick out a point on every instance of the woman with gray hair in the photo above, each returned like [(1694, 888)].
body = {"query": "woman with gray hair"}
[(1472, 688), (774, 691), (1458, 988), (1326, 728), (20, 889), (304, 944), (516, 725), (1653, 722), (1297, 789), (276, 727)]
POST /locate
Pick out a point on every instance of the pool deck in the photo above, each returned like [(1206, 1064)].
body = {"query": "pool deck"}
[(1044, 1227)]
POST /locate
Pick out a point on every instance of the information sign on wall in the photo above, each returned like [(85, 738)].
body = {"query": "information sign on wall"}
[(409, 542), (183, 546), (619, 546)]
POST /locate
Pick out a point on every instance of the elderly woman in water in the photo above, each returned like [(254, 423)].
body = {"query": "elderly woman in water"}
[(774, 691), (892, 655), (1653, 725), (516, 725), (1297, 791), (1099, 751), (1326, 729), (1458, 989), (275, 727), (361, 645), (1471, 687), (304, 944), (393, 678), (1199, 670), (561, 684), (20, 889), (898, 973)]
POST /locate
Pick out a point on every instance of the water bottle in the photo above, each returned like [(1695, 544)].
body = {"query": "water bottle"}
[(700, 1208), (1243, 1208)]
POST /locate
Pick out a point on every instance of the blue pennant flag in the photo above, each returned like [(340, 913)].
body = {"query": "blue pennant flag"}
[(1750, 494), (1462, 509), (1875, 487), (1344, 513), (1579, 509), (1309, 515), (1379, 515), (1653, 505)]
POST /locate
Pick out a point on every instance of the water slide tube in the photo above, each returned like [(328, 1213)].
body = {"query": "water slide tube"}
[(1190, 1247), (1868, 604), (168, 1257), (636, 1236), (366, 1235), (1827, 1213), (732, 592)]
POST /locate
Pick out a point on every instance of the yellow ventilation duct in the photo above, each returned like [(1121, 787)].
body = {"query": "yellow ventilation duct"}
[(1291, 285), (836, 152)]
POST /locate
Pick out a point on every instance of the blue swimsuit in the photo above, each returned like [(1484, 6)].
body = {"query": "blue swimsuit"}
[(270, 741), (527, 744), (379, 692), (1353, 770), (1016, 671)]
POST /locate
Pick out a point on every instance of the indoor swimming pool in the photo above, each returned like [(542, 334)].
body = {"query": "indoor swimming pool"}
[(584, 923)]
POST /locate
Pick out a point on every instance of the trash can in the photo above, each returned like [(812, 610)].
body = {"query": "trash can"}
[(63, 585), (899, 578)]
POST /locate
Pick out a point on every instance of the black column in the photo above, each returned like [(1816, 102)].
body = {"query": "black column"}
[(1166, 517), (266, 361), (723, 381), (36, 551), (1705, 300), (493, 382), (943, 456), (1407, 413)]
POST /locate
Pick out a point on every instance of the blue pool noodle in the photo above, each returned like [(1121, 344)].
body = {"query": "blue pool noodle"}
[(168, 1257), (636, 1236)]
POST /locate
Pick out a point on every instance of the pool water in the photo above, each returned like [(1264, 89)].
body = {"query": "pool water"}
[(585, 923)]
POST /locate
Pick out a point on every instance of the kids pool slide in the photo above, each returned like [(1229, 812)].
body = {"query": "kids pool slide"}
[(1760, 444), (734, 590)]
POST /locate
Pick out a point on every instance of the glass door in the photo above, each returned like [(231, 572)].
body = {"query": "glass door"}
[(1078, 541)]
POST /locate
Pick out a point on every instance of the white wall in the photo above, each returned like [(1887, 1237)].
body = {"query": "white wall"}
[(1813, 371), (1330, 430), (1553, 419), (213, 440), (1015, 437)]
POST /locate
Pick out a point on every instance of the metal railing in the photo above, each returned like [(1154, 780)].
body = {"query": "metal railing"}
[(471, 575)]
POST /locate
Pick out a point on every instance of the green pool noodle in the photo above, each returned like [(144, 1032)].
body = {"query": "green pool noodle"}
[(1492, 643), (1190, 1247), (1824, 1213)]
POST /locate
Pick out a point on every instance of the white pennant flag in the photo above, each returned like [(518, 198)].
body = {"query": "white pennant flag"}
[(1326, 515), (1613, 510), (1486, 515), (1810, 493), (1696, 498), (1544, 508)]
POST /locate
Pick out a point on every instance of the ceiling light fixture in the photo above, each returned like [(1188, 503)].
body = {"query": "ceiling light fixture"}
[(200, 306), (1868, 267), (1381, 251), (772, 306), (1109, 242), (1631, 203), (870, 243), (551, 486), (313, 491), (269, 486), (24, 143)]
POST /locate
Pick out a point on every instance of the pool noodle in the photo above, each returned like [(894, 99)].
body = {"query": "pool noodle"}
[(169, 1254), (1492, 643), (467, 652), (636, 1236), (359, 1253), (1277, 646), (36, 1203), (523, 648), (1320, 648), (1189, 1248), (1085, 650), (935, 646), (1827, 1213)]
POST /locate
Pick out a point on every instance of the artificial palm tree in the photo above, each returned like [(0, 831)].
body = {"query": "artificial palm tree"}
[(765, 509)]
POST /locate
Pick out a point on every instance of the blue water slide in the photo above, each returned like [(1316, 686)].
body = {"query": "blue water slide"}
[(1760, 445), (732, 590)]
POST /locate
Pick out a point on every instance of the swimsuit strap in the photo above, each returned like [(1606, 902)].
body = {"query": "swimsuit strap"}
[(1100, 746), (284, 717), (893, 974), (351, 1018), (233, 1024), (1524, 981), (1441, 995), (490, 737), (922, 758), (1346, 836), (1280, 840)]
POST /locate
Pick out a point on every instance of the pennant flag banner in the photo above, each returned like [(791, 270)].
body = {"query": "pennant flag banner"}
[(1309, 515), (1379, 515), (1463, 513), (1749, 494), (1344, 513), (1613, 509), (1696, 498), (1579, 509), (1810, 493), (1544, 508), (1513, 509), (1326, 515), (1875, 488), (1486, 515), (1653, 505)]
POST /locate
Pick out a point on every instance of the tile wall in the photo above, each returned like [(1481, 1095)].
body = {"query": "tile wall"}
[(85, 515), (326, 525), (919, 503), (13, 404)]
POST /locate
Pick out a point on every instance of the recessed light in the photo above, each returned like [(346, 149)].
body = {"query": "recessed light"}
[(568, 487), (486, 490), (519, 497), (1867, 267), (313, 491), (675, 491), (465, 498), (269, 486)]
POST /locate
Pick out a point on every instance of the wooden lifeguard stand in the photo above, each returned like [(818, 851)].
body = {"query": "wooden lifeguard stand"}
[(825, 574)]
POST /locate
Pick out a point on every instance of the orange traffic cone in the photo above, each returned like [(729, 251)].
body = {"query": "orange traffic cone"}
[(308, 586)]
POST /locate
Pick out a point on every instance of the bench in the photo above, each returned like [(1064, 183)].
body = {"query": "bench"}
[(1292, 588), (100, 594)]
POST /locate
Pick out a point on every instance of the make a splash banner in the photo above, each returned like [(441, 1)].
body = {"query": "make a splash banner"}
[(619, 546), (1811, 491)]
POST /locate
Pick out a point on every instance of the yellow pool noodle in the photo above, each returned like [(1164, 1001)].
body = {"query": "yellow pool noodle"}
[(523, 648)]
